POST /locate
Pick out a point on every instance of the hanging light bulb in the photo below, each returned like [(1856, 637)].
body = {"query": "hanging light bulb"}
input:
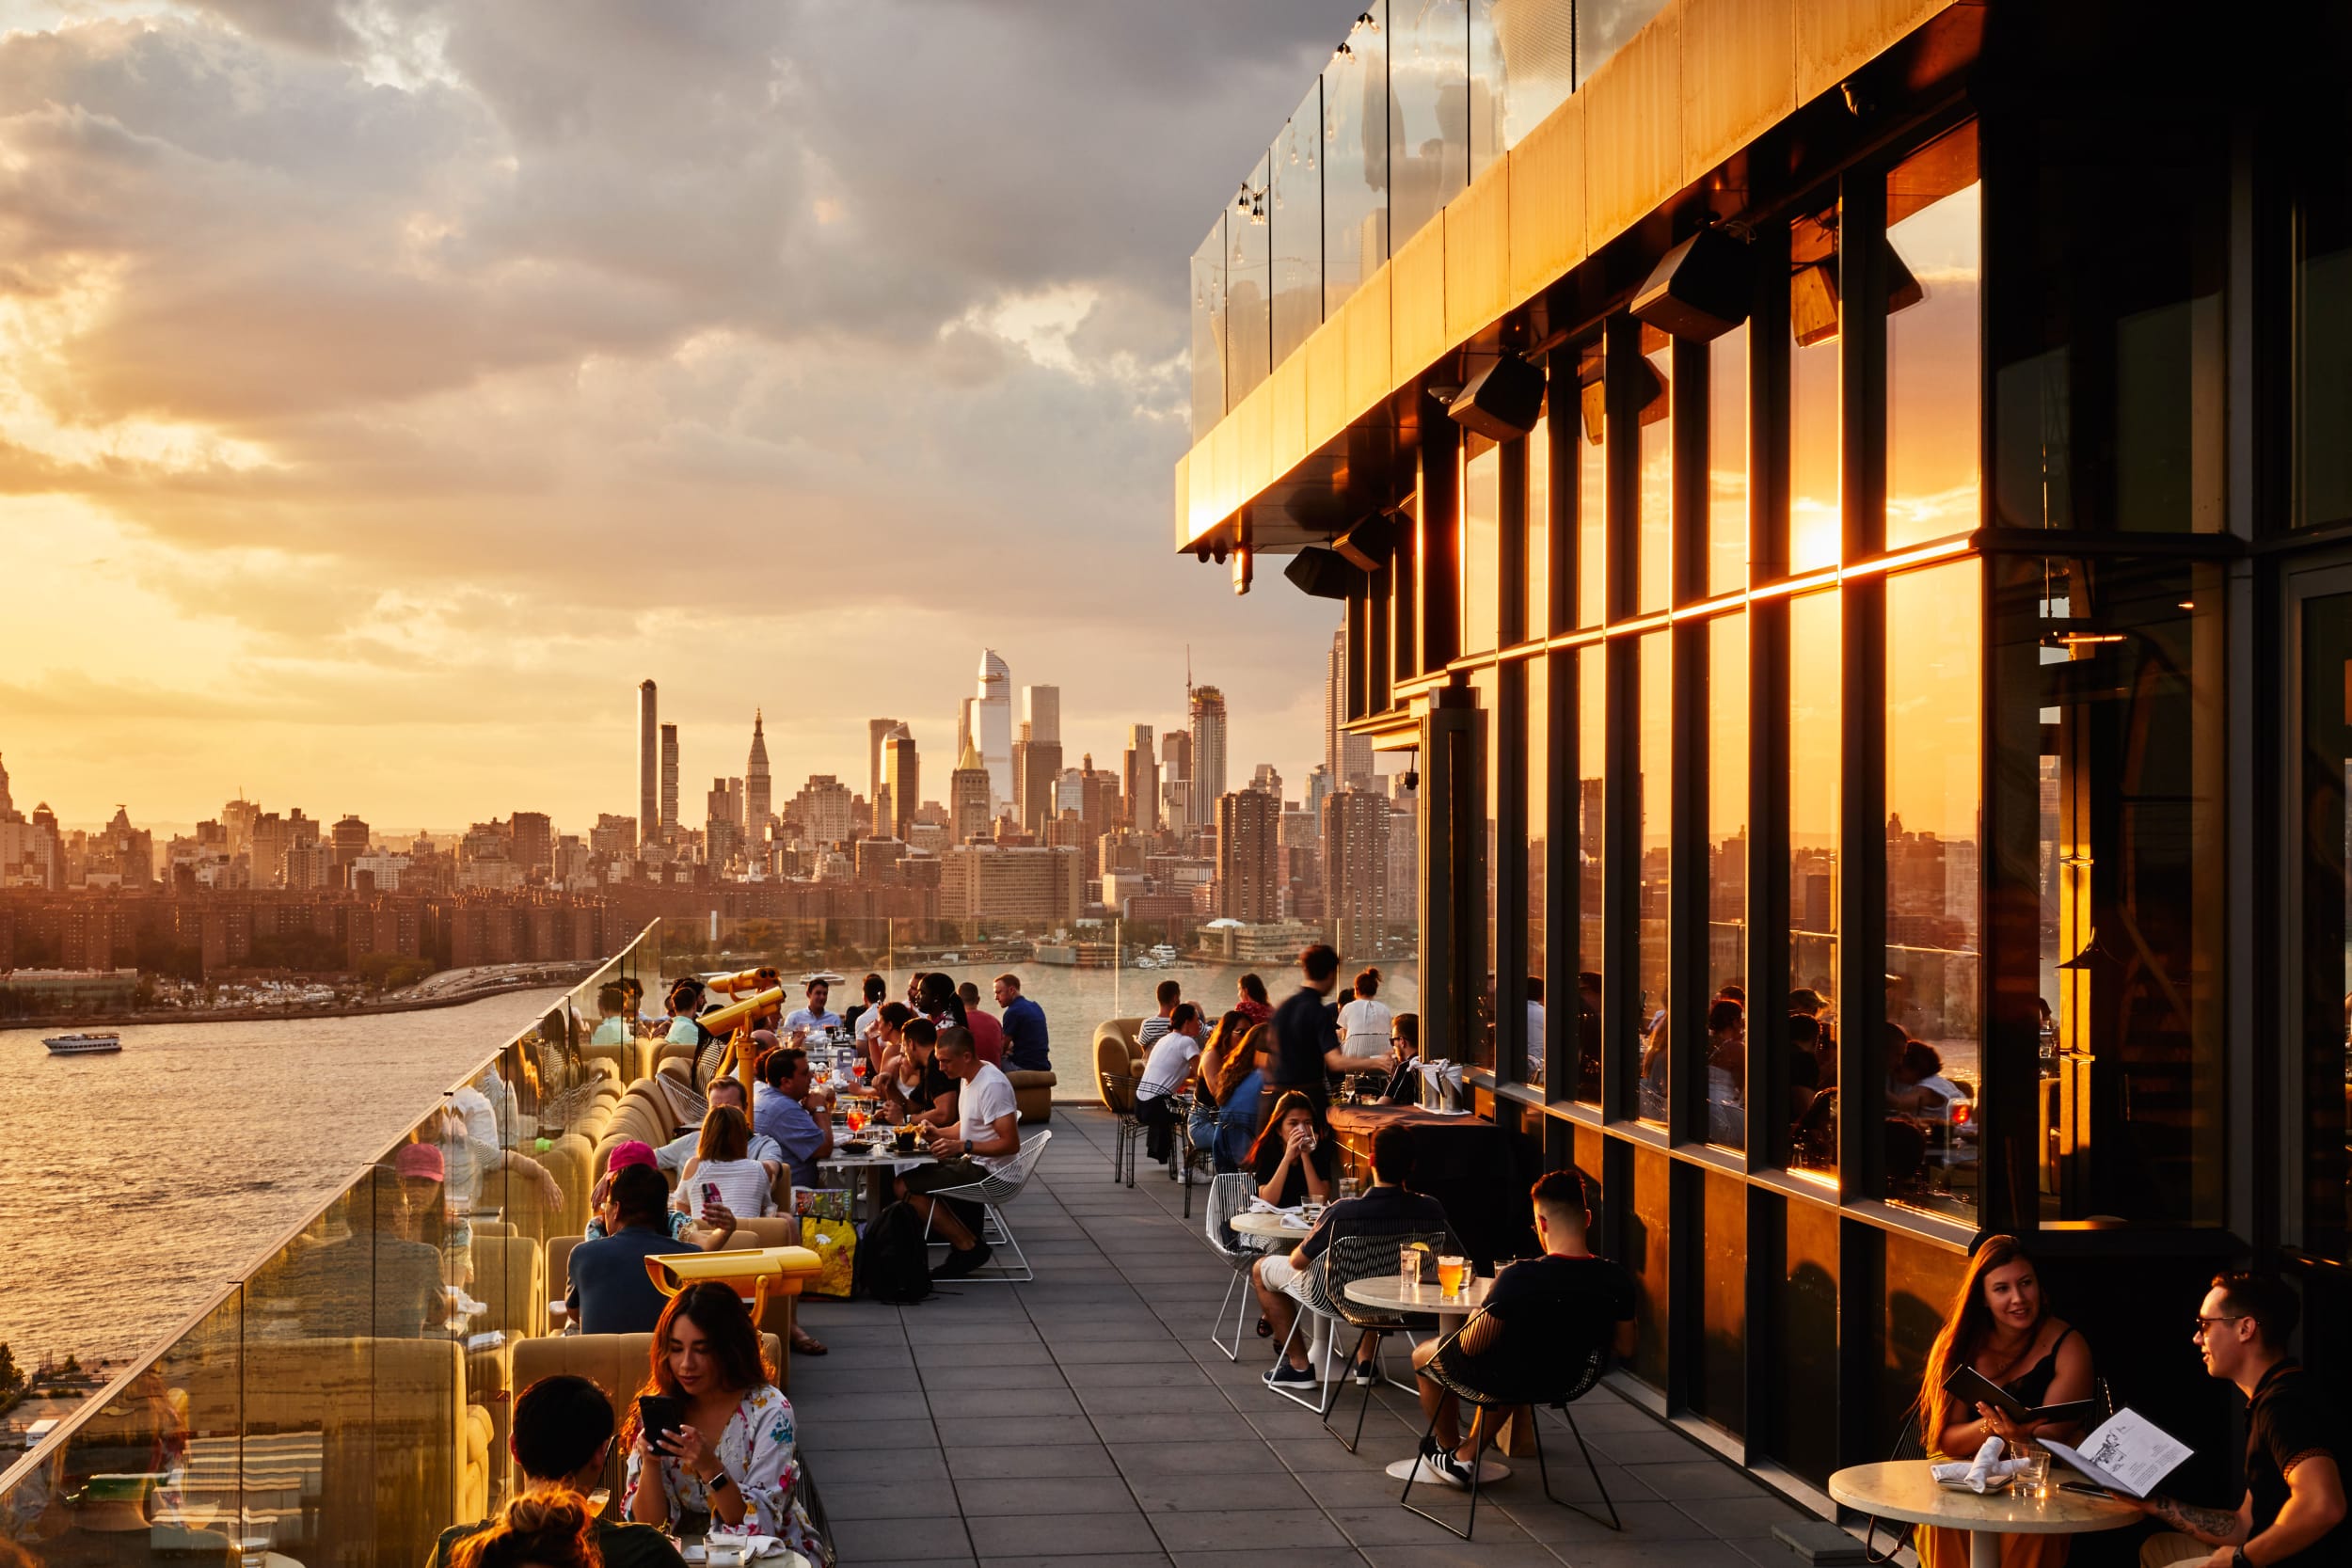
[(1369, 23), (1343, 52)]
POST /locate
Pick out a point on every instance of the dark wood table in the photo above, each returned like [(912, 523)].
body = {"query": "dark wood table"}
[(1479, 1171)]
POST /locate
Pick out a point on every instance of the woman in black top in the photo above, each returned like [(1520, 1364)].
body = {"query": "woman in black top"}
[(2000, 1324), (1295, 1156)]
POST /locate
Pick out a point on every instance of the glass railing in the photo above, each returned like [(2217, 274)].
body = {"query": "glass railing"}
[(1415, 103), (347, 1399)]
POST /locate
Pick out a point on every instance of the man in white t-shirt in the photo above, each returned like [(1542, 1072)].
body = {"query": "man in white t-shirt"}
[(1175, 1057), (986, 1136)]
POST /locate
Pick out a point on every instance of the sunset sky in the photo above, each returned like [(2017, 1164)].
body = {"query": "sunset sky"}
[(387, 387)]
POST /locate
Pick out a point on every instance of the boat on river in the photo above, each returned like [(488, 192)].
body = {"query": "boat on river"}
[(84, 1045)]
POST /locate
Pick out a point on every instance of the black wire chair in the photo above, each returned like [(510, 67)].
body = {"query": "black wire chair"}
[(1118, 1093), (1580, 1377), (1367, 1255)]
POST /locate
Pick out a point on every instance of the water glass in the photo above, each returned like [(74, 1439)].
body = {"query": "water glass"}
[(1412, 1265), (2034, 1479), (1349, 1187)]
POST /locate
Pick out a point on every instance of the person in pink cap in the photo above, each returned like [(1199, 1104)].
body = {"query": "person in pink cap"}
[(636, 1151)]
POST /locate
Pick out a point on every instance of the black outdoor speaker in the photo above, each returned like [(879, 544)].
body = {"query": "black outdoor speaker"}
[(1702, 289), (1369, 544), (1502, 401), (1320, 572)]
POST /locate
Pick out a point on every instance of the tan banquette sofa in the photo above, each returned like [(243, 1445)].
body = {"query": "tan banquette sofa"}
[(1117, 1053)]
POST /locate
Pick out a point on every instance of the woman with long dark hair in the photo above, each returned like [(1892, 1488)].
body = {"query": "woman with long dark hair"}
[(1254, 1006), (1295, 1156), (2000, 1324), (732, 1467)]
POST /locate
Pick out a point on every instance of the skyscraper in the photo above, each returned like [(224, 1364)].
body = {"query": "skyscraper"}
[(1356, 869), (1248, 880), (1176, 794), (1140, 780), (1036, 771), (757, 796), (902, 777), (992, 724), (968, 812), (1040, 710), (534, 841), (1208, 744), (1347, 758), (7, 807), (648, 759), (877, 732), (669, 783)]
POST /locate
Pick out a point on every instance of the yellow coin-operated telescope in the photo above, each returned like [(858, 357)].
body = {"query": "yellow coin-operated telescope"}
[(775, 1270), (766, 978)]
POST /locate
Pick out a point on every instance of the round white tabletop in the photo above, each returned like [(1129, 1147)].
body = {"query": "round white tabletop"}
[(1270, 1228), (877, 1160), (1902, 1489), (1392, 1292)]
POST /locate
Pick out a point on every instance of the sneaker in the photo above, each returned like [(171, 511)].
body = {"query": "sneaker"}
[(1434, 1467), (1365, 1372), (960, 1263), (1282, 1374)]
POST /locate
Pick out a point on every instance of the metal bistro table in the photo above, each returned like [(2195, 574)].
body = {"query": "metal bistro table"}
[(862, 1169), (1901, 1489), (1261, 1225), (1394, 1293)]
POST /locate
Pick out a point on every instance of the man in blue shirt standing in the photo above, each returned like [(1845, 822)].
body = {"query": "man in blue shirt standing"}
[(1024, 1023)]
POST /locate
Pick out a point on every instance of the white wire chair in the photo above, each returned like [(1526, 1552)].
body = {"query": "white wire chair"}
[(1229, 1196), (993, 1191)]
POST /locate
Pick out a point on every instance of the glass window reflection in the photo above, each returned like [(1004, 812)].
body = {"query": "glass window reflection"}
[(1428, 110), (1538, 870), (1727, 462), (1816, 438), (2323, 349), (1482, 506), (1538, 555), (1652, 788), (2326, 927), (1591, 751), (1208, 331), (1294, 219), (1935, 226), (1487, 685), (1816, 750), (1935, 793), (2122, 660), (1727, 879), (1355, 111), (1655, 547), (1592, 491), (1249, 286)]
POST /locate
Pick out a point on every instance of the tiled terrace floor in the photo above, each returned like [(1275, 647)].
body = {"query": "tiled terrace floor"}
[(1086, 1419)]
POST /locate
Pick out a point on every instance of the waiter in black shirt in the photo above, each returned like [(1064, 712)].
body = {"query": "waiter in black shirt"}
[(1307, 1039), (2293, 1513)]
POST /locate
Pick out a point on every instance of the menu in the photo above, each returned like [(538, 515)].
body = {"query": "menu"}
[(2127, 1453)]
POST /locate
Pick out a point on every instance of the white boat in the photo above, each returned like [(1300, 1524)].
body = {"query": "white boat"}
[(83, 1045)]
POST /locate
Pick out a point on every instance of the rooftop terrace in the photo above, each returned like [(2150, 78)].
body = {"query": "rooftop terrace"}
[(1085, 1418)]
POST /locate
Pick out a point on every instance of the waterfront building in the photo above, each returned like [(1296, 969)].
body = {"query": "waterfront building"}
[(1176, 795), (669, 784), (350, 839), (987, 884), (968, 796), (1248, 865), (649, 756), (877, 736), (988, 724), (1037, 779), (902, 785), (1356, 870), (1140, 782), (534, 835), (823, 811), (1207, 705), (1848, 498), (759, 798), (612, 837)]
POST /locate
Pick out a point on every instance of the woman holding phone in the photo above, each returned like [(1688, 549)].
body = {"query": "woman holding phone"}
[(722, 1168), (2001, 1327), (724, 1462)]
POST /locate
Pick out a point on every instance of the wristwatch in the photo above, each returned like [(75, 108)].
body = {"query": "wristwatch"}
[(719, 1482), (2238, 1558)]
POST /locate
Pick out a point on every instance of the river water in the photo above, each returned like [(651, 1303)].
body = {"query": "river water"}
[(134, 1186)]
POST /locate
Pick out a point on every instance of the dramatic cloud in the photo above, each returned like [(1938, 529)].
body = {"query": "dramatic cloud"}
[(399, 382)]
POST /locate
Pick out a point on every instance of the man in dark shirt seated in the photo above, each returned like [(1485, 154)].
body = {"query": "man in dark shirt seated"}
[(1388, 1210), (2293, 1513), (563, 1431), (1544, 1317), (610, 1290)]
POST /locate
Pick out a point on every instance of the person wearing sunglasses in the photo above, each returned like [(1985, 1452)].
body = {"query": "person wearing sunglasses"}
[(2293, 1512)]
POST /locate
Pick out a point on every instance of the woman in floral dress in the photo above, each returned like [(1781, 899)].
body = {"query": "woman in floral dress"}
[(731, 1469)]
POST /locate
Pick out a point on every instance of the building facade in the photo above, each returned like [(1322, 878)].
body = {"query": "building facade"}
[(1812, 531), (1248, 857), (1356, 870)]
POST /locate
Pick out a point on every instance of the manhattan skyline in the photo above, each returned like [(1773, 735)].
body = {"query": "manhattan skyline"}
[(380, 408)]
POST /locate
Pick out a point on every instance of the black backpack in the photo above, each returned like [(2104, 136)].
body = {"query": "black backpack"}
[(892, 1264)]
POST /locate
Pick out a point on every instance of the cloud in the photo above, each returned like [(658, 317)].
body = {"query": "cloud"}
[(784, 351)]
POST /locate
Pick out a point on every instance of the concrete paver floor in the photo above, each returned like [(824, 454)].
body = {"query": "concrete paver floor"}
[(1086, 1419)]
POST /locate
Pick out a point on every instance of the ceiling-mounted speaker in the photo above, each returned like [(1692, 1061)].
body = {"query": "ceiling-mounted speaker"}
[(1702, 289), (1502, 401), (1320, 573), (1368, 546)]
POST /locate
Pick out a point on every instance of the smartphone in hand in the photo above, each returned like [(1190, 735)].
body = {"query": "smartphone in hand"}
[(660, 1414)]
